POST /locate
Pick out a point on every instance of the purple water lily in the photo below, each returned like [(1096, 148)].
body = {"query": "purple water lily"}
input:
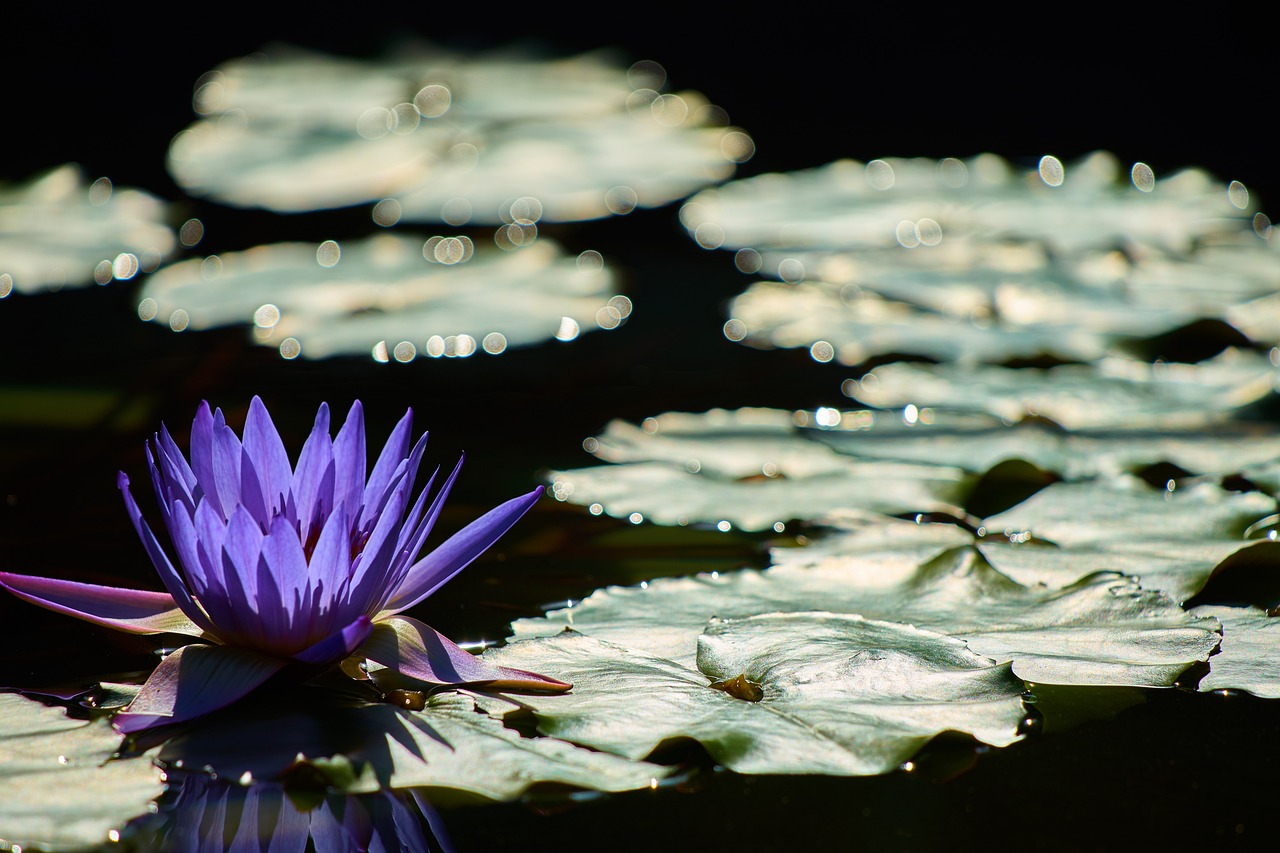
[(276, 566)]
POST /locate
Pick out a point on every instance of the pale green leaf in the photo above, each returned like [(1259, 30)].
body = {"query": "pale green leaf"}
[(824, 693), (1250, 655), (59, 787)]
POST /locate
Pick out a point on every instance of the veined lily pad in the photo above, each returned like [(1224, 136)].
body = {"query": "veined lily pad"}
[(778, 693), (57, 232), (449, 744), (1115, 393), (1172, 541), (1250, 655), (59, 788), (1100, 630), (382, 289), (851, 205), (977, 443), (489, 140)]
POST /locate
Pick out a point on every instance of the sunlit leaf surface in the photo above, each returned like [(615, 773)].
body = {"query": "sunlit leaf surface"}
[(491, 140), (448, 744), (1101, 630), (1250, 655), (976, 443), (1172, 541), (778, 693), (58, 788), (852, 205), (395, 296), (59, 231), (1116, 393)]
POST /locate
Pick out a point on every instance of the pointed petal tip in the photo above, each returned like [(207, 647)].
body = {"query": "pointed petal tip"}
[(122, 481), (523, 681)]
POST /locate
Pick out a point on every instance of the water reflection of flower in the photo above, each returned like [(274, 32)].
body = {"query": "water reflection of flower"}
[(281, 566), (210, 816)]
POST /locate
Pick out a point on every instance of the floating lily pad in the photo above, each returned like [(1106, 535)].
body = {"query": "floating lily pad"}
[(59, 787), (373, 294), (448, 744), (801, 315), (1172, 541), (976, 443), (1100, 630), (779, 693), (852, 205), (56, 231), (449, 138), (1114, 393), (1250, 655)]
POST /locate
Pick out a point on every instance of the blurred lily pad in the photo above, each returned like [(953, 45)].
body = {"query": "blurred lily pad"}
[(778, 693), (447, 744), (1172, 541), (490, 139), (60, 788), (1101, 630), (852, 205), (381, 295), (1250, 655), (57, 231), (1114, 393)]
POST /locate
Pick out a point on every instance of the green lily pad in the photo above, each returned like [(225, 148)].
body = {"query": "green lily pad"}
[(850, 205), (1114, 393), (1250, 655), (448, 744), (778, 693), (59, 786), (1101, 630), (56, 231), (441, 137), (1171, 541), (381, 295), (804, 314), (976, 444)]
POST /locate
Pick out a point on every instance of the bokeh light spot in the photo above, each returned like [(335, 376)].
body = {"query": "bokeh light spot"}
[(405, 352), (191, 233), (102, 273), (494, 343), (737, 147), (125, 266), (1052, 171), (621, 200), (456, 211), (100, 192), (1143, 177), (748, 261), (147, 309), (290, 348), (735, 330), (879, 175), (328, 253), (709, 235), (1238, 194), (387, 212), (179, 320), (266, 316), (433, 100), (590, 261), (822, 351)]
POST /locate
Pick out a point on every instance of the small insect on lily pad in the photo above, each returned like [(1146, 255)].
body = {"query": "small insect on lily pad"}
[(810, 692)]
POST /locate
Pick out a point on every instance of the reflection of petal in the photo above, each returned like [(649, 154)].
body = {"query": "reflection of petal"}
[(193, 681), (134, 610), (457, 552), (419, 651)]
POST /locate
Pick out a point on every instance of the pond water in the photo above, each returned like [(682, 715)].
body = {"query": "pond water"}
[(1094, 756)]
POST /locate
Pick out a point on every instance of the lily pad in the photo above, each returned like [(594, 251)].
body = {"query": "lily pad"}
[(977, 443), (1250, 655), (1101, 630), (56, 232), (1172, 541), (448, 744), (852, 205), (801, 315), (1114, 393), (59, 786), (779, 693), (382, 295), (493, 140)]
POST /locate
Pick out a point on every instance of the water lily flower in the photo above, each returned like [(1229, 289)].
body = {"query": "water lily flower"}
[(283, 566)]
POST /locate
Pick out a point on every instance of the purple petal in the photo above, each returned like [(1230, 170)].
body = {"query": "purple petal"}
[(202, 455), (226, 464), (338, 646), (393, 453), (312, 485), (240, 551), (288, 565), (263, 447), (419, 651), (349, 460), (410, 548), (194, 681), (433, 570), (330, 566), (369, 569), (251, 491), (134, 610), (168, 574)]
